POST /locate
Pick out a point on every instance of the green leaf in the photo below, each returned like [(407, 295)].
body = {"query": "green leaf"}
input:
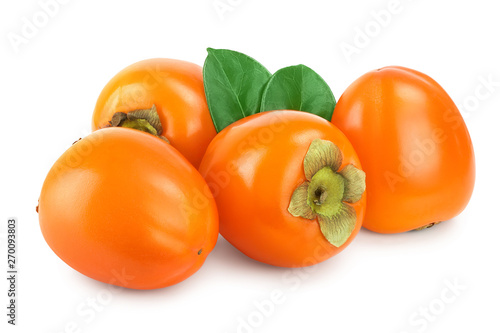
[(298, 88), (233, 85)]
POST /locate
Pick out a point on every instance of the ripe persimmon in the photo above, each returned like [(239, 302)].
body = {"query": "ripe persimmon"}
[(123, 203), (414, 146), (172, 88), (288, 186)]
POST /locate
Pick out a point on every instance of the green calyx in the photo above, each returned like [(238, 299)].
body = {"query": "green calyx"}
[(325, 192), (145, 120), (328, 192), (139, 124), (427, 226)]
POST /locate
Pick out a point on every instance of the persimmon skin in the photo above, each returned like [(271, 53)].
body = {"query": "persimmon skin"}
[(252, 167), (175, 87), (414, 146), (120, 202)]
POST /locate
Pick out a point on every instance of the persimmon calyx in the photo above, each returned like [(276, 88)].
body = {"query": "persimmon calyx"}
[(146, 120), (427, 226), (328, 192)]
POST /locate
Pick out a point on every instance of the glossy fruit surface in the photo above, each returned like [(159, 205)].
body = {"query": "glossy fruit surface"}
[(175, 88), (125, 208), (253, 168), (414, 146)]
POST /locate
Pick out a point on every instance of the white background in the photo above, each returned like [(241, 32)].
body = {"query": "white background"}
[(378, 284)]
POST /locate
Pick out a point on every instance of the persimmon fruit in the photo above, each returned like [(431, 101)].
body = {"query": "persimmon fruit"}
[(288, 185), (414, 146), (171, 88), (121, 201)]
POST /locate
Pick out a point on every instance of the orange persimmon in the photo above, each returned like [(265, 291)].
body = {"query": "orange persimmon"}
[(175, 89), (414, 146), (126, 208), (288, 186)]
